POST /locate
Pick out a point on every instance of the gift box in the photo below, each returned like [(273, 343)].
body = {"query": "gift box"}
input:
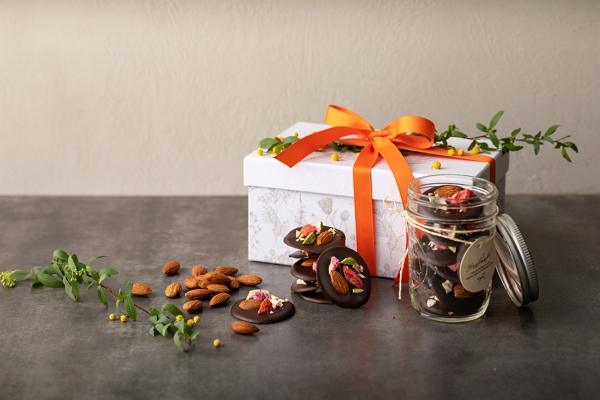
[(281, 198)]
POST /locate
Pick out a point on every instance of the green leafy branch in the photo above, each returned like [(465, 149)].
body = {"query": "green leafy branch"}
[(66, 271), (506, 144)]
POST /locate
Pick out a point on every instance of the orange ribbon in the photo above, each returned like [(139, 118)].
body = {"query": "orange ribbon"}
[(407, 133)]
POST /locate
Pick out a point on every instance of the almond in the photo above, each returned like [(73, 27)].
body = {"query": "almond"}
[(198, 294), (308, 262), (461, 293), (234, 284), (173, 290), (251, 304), (216, 277), (325, 237), (226, 270), (220, 298), (190, 283), (447, 191), (217, 288), (202, 281), (250, 280), (140, 289), (339, 283), (244, 328), (192, 306), (171, 268), (199, 270)]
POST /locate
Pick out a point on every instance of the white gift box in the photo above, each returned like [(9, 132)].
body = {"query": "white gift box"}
[(319, 189)]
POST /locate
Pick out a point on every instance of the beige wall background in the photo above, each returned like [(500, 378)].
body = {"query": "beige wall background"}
[(167, 97)]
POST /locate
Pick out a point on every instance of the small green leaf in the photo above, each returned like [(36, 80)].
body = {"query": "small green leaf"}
[(20, 275), (494, 138), (335, 146), (481, 127), (172, 309), (571, 145), (473, 143), (130, 307), (512, 147), (180, 325), (484, 146), (548, 139), (194, 335), (459, 134), (69, 289), (61, 255), (50, 281), (537, 137), (177, 341), (268, 143), (108, 272), (101, 296), (278, 148), (536, 147), (289, 140), (118, 306), (164, 330), (565, 155), (515, 132), (551, 130), (93, 273), (153, 311), (349, 261), (495, 119), (35, 281), (152, 331), (88, 262), (57, 270), (37, 270), (120, 295), (128, 288)]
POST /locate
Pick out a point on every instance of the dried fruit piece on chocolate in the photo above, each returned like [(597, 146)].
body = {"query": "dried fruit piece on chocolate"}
[(265, 307), (338, 282), (352, 277), (461, 293), (325, 238), (307, 230), (461, 197), (447, 191), (140, 289), (310, 239), (334, 264), (251, 304), (244, 328)]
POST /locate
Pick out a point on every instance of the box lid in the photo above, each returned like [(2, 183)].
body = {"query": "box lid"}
[(317, 173)]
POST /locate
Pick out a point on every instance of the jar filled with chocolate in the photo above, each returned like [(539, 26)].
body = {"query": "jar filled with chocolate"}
[(451, 254)]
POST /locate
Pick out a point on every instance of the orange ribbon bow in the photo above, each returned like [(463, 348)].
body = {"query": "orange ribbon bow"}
[(406, 133)]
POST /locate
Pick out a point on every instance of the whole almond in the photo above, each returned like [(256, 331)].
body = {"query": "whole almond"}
[(217, 288), (216, 277), (226, 270), (140, 289), (234, 284), (325, 237), (250, 304), (198, 294), (447, 191), (461, 293), (219, 299), (171, 268), (339, 283), (308, 262), (192, 306), (244, 328), (173, 290), (190, 283), (249, 280), (199, 270)]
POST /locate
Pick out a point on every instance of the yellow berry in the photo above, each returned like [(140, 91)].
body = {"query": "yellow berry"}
[(259, 152), (461, 152), (335, 157), (179, 318), (196, 319), (190, 322), (217, 343), (123, 318), (112, 317), (451, 152), (296, 134), (436, 165), (475, 150)]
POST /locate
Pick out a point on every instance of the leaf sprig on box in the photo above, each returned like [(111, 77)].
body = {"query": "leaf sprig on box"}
[(66, 271)]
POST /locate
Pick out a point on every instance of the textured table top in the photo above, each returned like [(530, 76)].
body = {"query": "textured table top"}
[(52, 347)]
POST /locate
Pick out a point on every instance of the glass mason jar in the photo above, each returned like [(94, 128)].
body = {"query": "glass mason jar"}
[(451, 253)]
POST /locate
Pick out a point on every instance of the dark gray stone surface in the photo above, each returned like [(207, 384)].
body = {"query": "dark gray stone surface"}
[(52, 347)]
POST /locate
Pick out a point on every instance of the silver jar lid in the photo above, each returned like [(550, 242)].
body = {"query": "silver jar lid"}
[(515, 266)]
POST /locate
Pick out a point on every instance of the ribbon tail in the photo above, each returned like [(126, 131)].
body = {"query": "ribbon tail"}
[(363, 207)]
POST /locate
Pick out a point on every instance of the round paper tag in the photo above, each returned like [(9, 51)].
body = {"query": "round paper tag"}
[(478, 264)]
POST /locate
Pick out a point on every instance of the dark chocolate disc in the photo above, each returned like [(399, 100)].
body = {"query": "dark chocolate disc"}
[(453, 213), (304, 273), (349, 300), (279, 314), (457, 306), (299, 288), (315, 297), (446, 273), (435, 257), (300, 254), (338, 240)]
